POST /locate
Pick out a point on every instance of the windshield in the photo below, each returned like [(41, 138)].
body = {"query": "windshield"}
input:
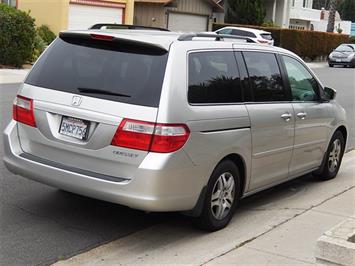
[(109, 70), (344, 48)]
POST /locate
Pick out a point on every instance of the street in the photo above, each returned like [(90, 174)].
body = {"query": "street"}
[(40, 224)]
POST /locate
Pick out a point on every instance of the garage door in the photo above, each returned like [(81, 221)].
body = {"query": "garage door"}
[(82, 17), (187, 22)]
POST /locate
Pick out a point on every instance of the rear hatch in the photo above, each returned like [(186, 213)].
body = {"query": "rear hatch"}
[(81, 89)]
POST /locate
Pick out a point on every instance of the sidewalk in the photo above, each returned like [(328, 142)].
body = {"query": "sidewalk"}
[(8, 76), (279, 226)]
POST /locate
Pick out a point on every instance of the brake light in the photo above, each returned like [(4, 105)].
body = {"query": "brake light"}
[(146, 136), (101, 37), (23, 111), (262, 41)]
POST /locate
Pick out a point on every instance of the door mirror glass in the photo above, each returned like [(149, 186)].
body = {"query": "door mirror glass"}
[(329, 93)]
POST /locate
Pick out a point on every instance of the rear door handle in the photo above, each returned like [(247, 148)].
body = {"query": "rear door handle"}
[(286, 116), (302, 115)]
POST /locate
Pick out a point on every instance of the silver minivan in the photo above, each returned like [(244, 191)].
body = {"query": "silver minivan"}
[(160, 121)]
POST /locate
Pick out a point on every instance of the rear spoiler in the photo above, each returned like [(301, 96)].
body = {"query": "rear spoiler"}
[(107, 37)]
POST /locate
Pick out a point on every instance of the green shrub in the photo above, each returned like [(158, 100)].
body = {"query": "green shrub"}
[(306, 44), (46, 34), (38, 47), (17, 33), (352, 39)]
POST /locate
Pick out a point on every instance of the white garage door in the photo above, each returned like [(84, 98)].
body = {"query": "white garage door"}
[(187, 22), (82, 17)]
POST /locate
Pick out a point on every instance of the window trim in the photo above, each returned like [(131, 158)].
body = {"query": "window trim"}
[(187, 77), (320, 87)]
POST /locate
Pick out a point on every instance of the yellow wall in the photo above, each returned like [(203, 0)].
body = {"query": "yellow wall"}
[(54, 13), (129, 12)]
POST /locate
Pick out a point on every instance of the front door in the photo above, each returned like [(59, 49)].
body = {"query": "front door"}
[(313, 118)]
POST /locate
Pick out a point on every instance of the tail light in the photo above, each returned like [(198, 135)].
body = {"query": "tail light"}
[(146, 136), (262, 41), (23, 111)]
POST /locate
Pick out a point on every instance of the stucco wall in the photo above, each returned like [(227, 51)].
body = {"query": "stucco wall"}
[(53, 13)]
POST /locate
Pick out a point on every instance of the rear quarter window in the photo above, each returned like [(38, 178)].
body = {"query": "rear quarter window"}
[(70, 65)]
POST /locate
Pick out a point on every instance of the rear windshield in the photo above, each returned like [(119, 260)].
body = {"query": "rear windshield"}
[(266, 36), (108, 70)]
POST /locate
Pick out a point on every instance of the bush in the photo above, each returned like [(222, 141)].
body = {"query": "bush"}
[(306, 44), (352, 39), (17, 34), (38, 47), (46, 34)]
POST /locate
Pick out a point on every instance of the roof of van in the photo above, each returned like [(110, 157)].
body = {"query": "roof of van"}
[(161, 39)]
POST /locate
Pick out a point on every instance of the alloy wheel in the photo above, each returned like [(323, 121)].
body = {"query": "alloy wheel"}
[(334, 156), (223, 194)]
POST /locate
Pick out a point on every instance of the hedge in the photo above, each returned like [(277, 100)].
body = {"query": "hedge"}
[(306, 44), (17, 34)]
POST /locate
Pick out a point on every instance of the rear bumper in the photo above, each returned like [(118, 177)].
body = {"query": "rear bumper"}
[(163, 182)]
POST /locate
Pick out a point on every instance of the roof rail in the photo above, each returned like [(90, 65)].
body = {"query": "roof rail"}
[(219, 37), (124, 27)]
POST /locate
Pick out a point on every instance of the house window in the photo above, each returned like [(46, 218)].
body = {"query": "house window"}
[(9, 2)]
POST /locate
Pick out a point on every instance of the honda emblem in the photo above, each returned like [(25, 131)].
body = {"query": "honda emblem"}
[(76, 101)]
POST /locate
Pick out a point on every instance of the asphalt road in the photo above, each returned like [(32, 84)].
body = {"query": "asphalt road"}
[(40, 224)]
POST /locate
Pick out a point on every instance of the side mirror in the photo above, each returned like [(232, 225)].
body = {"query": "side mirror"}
[(329, 93)]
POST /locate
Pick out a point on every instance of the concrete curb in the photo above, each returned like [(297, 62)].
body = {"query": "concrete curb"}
[(334, 246)]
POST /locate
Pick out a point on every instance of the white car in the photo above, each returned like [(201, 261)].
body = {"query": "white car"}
[(259, 36)]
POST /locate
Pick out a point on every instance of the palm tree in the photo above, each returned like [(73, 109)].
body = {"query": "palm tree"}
[(331, 19)]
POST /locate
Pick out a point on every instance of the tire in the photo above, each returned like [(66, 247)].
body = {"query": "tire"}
[(218, 208), (333, 157), (331, 65)]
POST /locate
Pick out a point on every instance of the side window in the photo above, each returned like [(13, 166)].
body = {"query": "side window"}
[(265, 77), (213, 78), (250, 34), (303, 86), (238, 32), (225, 31)]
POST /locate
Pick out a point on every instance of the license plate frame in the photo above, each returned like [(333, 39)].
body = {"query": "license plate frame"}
[(80, 126)]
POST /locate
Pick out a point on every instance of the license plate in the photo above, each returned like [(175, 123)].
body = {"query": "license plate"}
[(74, 127), (338, 60)]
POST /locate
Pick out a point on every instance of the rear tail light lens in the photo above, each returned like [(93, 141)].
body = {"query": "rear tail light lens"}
[(262, 41), (146, 136), (23, 111)]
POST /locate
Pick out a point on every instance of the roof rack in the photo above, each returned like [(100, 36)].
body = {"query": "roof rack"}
[(124, 27), (218, 37)]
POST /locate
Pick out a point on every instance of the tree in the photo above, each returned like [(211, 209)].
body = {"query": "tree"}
[(250, 12), (331, 19), (347, 10)]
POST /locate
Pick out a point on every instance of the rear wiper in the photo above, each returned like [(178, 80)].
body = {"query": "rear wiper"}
[(105, 92)]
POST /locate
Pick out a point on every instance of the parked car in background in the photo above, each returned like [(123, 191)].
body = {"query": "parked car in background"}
[(160, 121), (343, 55), (259, 36)]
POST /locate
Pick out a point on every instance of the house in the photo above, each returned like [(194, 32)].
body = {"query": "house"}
[(76, 14), (177, 15), (299, 14)]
